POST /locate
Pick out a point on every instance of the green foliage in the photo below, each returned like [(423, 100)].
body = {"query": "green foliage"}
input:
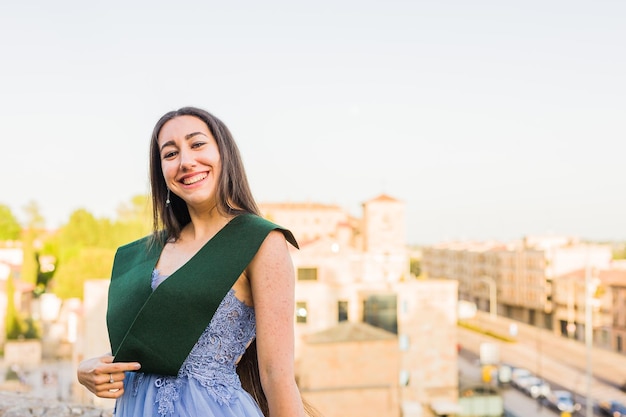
[(31, 329), (10, 228), (29, 261), (415, 267), (619, 251), (16, 327), (11, 375), (12, 324), (33, 230), (85, 246), (91, 263)]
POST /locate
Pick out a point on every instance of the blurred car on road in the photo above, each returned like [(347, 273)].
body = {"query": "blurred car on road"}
[(612, 408), (563, 401), (535, 387), (518, 375)]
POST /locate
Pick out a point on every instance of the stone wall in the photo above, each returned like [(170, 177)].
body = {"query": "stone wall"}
[(15, 404)]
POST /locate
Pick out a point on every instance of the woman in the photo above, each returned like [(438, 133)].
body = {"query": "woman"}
[(214, 281)]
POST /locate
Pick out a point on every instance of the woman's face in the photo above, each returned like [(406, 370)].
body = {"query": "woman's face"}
[(190, 161)]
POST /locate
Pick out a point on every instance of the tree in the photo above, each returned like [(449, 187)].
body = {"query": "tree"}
[(90, 263), (16, 327), (44, 276), (13, 324), (134, 220), (415, 267), (30, 236), (10, 228), (85, 246)]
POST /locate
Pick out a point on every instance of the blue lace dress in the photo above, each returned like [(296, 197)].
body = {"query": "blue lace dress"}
[(207, 384)]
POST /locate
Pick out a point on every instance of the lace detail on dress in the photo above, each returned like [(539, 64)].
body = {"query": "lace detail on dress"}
[(212, 361), (167, 393)]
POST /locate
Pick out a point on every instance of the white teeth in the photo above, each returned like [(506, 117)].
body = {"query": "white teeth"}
[(195, 178)]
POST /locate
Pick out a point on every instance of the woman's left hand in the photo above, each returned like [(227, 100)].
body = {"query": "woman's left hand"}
[(103, 377)]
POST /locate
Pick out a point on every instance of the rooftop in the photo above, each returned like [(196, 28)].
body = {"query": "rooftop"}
[(350, 332)]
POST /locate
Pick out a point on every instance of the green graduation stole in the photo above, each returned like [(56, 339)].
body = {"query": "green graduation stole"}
[(159, 328)]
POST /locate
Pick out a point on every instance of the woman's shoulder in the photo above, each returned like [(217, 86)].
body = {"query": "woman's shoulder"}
[(267, 226)]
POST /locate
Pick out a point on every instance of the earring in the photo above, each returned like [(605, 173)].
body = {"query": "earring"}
[(167, 202)]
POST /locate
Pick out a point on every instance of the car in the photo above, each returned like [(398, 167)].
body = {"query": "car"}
[(612, 408), (563, 401), (535, 387), (517, 375)]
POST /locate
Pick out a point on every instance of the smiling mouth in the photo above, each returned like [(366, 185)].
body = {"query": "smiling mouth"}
[(194, 179)]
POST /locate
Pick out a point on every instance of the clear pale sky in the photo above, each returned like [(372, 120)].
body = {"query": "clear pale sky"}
[(489, 119)]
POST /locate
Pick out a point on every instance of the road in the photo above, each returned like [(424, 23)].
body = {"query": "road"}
[(561, 361), (515, 402)]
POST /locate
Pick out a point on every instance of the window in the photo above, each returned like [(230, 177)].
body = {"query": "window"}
[(307, 274), (301, 312), (404, 342), (381, 311), (342, 311)]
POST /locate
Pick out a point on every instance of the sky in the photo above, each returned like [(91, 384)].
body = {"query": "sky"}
[(489, 119)]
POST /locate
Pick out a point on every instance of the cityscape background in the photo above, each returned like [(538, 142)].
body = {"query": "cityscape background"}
[(399, 140), (382, 328), (488, 119)]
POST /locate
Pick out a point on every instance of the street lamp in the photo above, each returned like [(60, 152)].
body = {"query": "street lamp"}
[(591, 285), (493, 297)]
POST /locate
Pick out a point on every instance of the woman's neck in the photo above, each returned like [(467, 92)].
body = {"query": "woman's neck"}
[(204, 226)]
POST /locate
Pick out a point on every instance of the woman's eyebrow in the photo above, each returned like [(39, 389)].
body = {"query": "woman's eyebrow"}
[(191, 135), (187, 137)]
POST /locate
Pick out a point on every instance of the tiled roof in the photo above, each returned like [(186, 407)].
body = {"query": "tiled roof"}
[(383, 197), (350, 332)]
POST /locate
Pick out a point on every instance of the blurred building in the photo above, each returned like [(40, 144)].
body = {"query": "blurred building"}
[(355, 271), (11, 255), (351, 369), (605, 290), (93, 336), (599, 287), (522, 272), (618, 310)]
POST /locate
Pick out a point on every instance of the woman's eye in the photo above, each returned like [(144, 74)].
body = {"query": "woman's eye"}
[(197, 144), (169, 155)]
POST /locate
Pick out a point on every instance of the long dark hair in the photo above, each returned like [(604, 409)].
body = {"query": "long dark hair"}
[(233, 197), (233, 191)]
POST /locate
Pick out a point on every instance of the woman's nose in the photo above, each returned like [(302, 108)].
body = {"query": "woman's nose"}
[(186, 160)]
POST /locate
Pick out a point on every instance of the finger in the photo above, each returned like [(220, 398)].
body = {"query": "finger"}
[(116, 377), (119, 367), (111, 388), (110, 393), (104, 372)]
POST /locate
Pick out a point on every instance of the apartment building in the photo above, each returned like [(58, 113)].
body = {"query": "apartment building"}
[(604, 290), (517, 277), (356, 275), (618, 302)]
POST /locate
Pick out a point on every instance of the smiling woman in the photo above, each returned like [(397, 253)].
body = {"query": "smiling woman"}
[(190, 162), (200, 314)]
